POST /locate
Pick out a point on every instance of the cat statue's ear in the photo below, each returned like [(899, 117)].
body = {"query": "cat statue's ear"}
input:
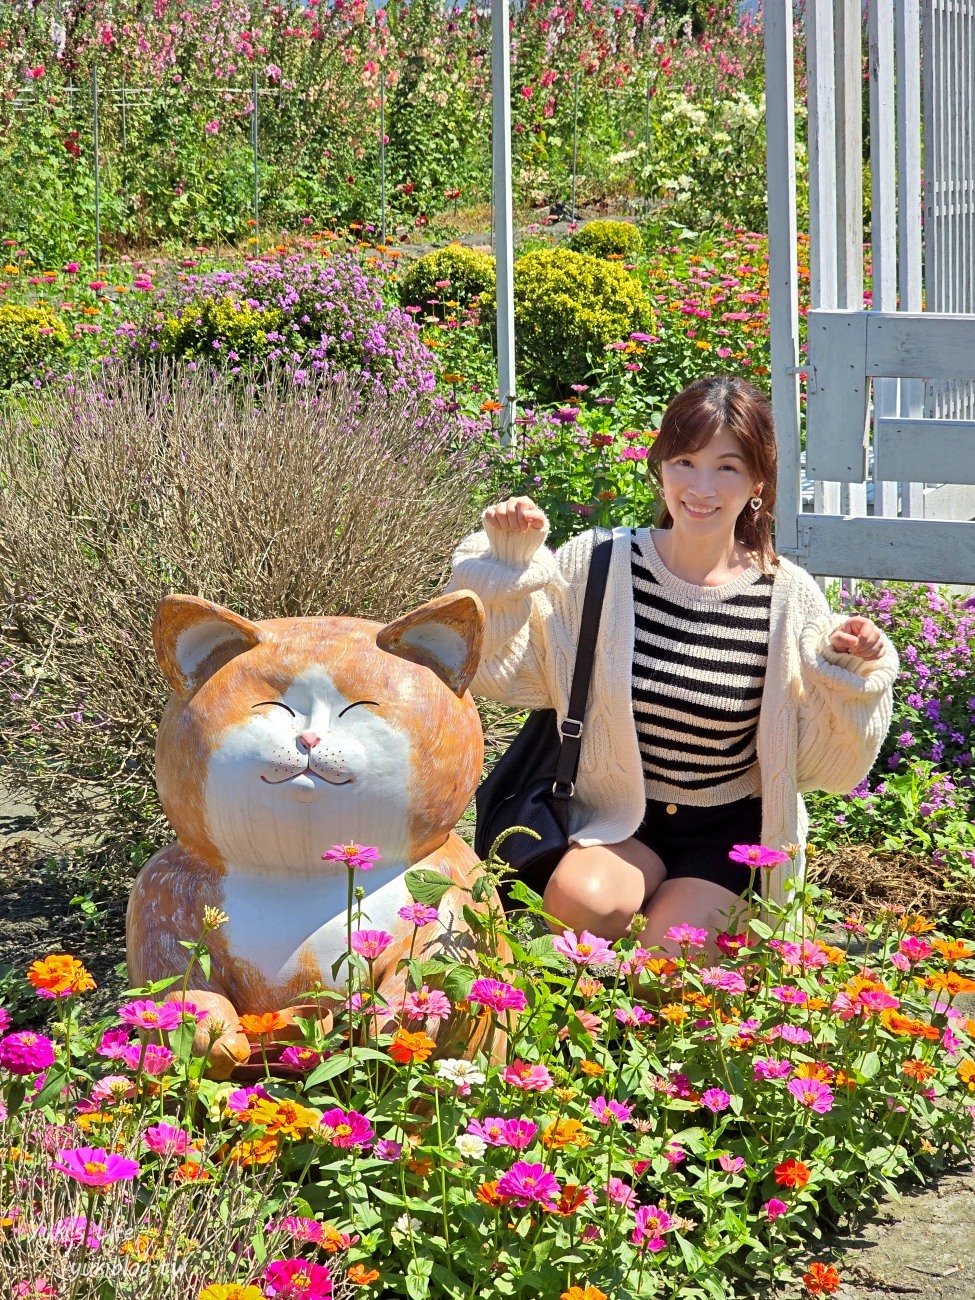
[(446, 635), (187, 630)]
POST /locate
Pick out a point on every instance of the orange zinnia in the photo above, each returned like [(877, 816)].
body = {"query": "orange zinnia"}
[(422, 1166), (60, 976), (915, 924), (489, 1195), (966, 1072), (661, 966), (259, 1152), (950, 982), (592, 1068), (814, 1070), (285, 1117), (259, 1026), (953, 949), (915, 1069), (673, 1012), (577, 1293), (563, 1133), (895, 1023), (792, 1173), (822, 1279), (189, 1172), (571, 1198), (362, 1276), (407, 1047)]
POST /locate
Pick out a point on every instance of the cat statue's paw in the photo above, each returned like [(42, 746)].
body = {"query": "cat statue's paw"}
[(218, 1034)]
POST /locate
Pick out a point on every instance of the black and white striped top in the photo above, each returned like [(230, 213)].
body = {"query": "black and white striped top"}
[(699, 659)]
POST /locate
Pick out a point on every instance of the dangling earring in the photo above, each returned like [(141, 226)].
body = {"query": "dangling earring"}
[(755, 502)]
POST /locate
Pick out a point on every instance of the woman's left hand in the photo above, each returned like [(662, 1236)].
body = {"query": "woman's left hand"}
[(859, 637)]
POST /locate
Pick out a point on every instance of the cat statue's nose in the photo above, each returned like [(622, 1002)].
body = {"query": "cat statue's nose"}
[(309, 739)]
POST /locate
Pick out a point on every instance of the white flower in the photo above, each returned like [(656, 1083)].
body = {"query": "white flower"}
[(459, 1071), (470, 1146), (407, 1224)]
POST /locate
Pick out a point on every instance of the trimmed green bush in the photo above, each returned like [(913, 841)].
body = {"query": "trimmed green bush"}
[(568, 308), (204, 327), (611, 239), (470, 273), (32, 341)]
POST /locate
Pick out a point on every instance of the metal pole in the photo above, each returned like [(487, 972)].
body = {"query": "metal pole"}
[(382, 156), (504, 206), (125, 142), (646, 145), (98, 210), (257, 213), (575, 140)]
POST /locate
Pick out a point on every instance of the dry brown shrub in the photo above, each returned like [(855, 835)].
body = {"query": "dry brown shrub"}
[(286, 503)]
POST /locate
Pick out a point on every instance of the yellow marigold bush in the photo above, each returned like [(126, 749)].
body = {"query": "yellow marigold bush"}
[(607, 239), (468, 271), (32, 340)]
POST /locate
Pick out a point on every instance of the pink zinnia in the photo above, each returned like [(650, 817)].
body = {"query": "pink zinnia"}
[(651, 1224), (241, 1099), (387, 1149), (300, 1058), (774, 1208), (301, 1229), (95, 1167), (715, 1099), (757, 855), (767, 1068), (731, 944), (531, 1078), (297, 1279), (674, 1153), (608, 1111), (915, 949), (39, 1289), (26, 1053), (4, 1020), (792, 996), (519, 1133), (586, 950), (794, 1034), (353, 856), (489, 1130), (371, 943), (418, 914), (687, 936), (620, 1193), (728, 981), (166, 1140), (525, 1184), (112, 1043), (812, 1093), (731, 1164), (497, 995), (151, 1015), (347, 1128), (155, 1058), (75, 1230), (426, 1002), (112, 1087)]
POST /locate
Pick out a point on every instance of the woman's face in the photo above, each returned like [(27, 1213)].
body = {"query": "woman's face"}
[(706, 490)]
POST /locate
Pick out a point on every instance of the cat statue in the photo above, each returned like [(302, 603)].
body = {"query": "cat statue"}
[(283, 738)]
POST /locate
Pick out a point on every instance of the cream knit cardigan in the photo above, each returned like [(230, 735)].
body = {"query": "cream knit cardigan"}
[(823, 716)]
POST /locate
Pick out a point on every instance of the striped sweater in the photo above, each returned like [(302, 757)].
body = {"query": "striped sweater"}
[(699, 656)]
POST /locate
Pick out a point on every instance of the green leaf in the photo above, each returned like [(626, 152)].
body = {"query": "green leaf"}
[(418, 1270), (520, 892), (427, 887), (204, 962)]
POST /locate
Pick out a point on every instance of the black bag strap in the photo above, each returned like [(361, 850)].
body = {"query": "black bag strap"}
[(572, 725)]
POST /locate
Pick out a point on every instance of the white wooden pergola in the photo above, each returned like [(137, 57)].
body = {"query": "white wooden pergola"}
[(889, 391)]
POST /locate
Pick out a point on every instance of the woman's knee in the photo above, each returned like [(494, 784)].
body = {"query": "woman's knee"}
[(593, 891)]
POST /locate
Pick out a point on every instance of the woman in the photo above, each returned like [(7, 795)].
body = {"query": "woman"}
[(722, 685)]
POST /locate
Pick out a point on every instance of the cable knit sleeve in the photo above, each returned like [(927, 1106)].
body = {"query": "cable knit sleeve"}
[(509, 572), (845, 705)]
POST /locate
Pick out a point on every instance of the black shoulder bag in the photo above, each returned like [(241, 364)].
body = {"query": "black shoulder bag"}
[(534, 780)]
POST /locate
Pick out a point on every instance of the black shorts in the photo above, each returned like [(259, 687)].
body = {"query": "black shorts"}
[(694, 842)]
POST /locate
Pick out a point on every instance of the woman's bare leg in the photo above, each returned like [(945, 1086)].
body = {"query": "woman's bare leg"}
[(699, 903), (600, 888)]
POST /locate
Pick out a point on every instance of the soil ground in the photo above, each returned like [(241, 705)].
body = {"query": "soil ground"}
[(922, 1245)]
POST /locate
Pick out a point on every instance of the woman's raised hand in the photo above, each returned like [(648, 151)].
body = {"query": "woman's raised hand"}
[(516, 515)]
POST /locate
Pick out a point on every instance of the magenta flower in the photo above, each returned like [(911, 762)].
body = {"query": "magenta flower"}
[(812, 1093), (155, 1058), (112, 1087), (774, 1208), (297, 1279), (4, 1020), (688, 936), (353, 856), (526, 1184), (519, 1133), (387, 1149), (757, 855), (497, 995), (166, 1140), (621, 1193), (674, 1153), (530, 1078), (26, 1053), (426, 1002), (766, 1068), (298, 1228), (715, 1100), (347, 1128), (788, 994), (371, 943), (728, 981), (586, 950), (608, 1112), (240, 1100), (300, 1058), (489, 1130), (731, 944), (794, 1034), (418, 914), (72, 268), (112, 1043), (74, 1230), (95, 1167), (731, 1164), (150, 1015), (651, 1224), (915, 949)]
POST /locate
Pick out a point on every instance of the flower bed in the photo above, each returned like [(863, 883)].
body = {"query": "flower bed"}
[(680, 1142)]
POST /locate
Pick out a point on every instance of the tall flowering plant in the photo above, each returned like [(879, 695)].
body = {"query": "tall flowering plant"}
[(641, 1122)]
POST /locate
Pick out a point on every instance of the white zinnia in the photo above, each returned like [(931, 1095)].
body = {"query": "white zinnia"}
[(459, 1071), (406, 1223), (470, 1146)]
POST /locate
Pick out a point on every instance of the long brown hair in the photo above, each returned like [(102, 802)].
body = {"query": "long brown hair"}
[(691, 421)]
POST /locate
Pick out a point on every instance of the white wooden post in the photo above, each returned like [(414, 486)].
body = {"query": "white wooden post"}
[(504, 214), (907, 40)]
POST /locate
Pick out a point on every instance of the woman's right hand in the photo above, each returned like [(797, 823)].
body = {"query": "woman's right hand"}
[(516, 515)]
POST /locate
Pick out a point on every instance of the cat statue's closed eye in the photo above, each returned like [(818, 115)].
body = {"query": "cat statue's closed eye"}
[(285, 737)]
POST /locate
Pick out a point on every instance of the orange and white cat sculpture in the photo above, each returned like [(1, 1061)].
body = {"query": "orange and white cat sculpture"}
[(283, 738)]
